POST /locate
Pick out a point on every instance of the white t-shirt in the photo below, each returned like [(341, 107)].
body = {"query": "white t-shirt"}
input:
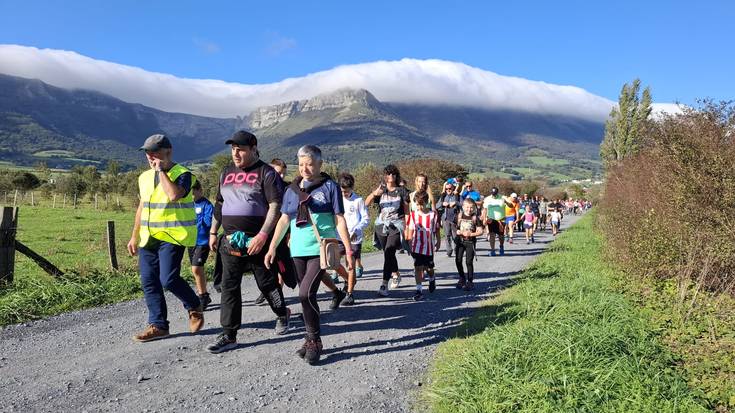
[(356, 217)]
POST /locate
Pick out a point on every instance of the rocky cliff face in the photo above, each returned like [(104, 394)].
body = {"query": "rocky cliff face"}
[(344, 98)]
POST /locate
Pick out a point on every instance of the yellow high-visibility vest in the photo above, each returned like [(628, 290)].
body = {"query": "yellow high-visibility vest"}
[(162, 219)]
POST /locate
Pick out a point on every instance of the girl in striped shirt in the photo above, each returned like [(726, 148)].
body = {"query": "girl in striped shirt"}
[(424, 237)]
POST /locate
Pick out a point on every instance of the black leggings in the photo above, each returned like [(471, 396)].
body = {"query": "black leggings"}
[(459, 251), (390, 244), (310, 275)]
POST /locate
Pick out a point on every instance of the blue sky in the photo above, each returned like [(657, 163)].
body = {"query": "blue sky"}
[(683, 50)]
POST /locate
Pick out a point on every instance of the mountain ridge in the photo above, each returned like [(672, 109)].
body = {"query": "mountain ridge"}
[(350, 125)]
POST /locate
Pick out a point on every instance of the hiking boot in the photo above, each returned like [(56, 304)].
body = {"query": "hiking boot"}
[(223, 343), (383, 290), (349, 300), (449, 253), (502, 251), (260, 300), (312, 350), (282, 323), (469, 286), (533, 240), (418, 296), (460, 283), (432, 285), (395, 282), (205, 300), (339, 295), (491, 253), (302, 351), (358, 272), (150, 333), (196, 319)]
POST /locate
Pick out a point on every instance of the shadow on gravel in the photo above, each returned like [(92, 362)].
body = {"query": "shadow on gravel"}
[(519, 253), (436, 317)]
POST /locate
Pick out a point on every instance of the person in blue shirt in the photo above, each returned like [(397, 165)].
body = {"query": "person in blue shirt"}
[(198, 254), (468, 191)]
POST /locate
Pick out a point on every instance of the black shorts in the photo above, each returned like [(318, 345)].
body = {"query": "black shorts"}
[(496, 227), (198, 255), (421, 260), (356, 250)]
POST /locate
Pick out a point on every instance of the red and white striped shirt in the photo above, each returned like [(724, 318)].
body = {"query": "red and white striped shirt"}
[(424, 227)]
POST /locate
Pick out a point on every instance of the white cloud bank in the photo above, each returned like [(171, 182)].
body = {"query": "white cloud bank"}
[(406, 81)]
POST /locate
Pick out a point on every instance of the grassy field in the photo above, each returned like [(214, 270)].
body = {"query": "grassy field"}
[(75, 241), (546, 161), (563, 339)]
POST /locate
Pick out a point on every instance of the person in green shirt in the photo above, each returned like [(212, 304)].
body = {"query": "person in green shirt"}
[(493, 215)]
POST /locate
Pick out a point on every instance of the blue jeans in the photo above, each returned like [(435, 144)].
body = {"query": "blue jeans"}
[(160, 268)]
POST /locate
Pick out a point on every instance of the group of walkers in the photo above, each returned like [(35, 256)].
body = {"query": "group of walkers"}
[(284, 232)]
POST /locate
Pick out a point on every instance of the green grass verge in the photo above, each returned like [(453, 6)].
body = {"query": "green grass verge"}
[(563, 339)]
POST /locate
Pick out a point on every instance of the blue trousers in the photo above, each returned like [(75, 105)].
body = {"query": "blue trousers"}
[(160, 268)]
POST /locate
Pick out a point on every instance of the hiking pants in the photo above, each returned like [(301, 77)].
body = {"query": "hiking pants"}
[(233, 268), (463, 246)]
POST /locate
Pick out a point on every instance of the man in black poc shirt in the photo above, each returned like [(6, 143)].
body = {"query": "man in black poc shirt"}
[(248, 200)]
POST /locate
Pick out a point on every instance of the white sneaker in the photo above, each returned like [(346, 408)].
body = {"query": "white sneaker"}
[(383, 291), (395, 282)]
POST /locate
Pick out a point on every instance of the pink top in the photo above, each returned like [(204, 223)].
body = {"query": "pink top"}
[(528, 217)]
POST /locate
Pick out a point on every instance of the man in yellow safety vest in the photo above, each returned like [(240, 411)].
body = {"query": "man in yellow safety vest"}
[(165, 224)]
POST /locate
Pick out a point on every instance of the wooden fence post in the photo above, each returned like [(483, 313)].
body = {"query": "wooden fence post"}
[(8, 228), (54, 204), (111, 244), (95, 200), (33, 203), (75, 200), (64, 201), (15, 198)]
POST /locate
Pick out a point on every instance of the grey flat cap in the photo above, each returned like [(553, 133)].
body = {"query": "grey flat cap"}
[(155, 143)]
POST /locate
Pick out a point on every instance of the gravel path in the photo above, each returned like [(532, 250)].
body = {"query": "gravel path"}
[(376, 352)]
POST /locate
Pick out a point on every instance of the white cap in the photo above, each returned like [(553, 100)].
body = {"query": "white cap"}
[(514, 195)]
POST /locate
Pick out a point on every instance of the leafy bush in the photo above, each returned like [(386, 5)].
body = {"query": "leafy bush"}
[(666, 214)]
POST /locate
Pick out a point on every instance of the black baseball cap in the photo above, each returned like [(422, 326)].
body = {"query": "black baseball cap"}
[(242, 137), (155, 143)]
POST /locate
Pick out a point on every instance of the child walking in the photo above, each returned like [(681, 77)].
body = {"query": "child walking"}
[(529, 222), (357, 218), (555, 216), (423, 233), (467, 232)]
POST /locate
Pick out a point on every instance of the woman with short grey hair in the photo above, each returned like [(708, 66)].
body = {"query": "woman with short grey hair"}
[(312, 197)]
